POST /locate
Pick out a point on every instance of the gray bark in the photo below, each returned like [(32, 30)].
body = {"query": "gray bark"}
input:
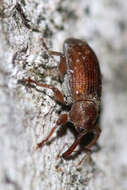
[(28, 114)]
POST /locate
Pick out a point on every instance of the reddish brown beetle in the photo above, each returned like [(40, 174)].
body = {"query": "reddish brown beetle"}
[(80, 73)]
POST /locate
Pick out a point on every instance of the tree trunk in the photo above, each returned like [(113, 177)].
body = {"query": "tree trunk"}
[(28, 113)]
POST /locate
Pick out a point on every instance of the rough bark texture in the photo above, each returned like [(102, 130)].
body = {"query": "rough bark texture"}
[(28, 114)]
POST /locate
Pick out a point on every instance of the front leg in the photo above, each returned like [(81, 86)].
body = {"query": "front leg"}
[(61, 121), (74, 145), (97, 132)]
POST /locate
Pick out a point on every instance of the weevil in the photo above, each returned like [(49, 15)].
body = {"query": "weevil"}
[(81, 89)]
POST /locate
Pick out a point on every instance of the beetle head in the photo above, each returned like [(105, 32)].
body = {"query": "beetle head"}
[(83, 115)]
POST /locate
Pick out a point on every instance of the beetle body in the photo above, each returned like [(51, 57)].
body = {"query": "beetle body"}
[(82, 83), (83, 70), (81, 77)]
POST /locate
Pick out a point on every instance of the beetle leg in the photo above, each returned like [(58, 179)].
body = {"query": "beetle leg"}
[(62, 65), (77, 141), (73, 146), (58, 95), (58, 155), (61, 121), (56, 53), (50, 51), (97, 130)]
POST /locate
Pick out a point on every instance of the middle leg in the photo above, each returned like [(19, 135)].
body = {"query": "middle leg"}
[(57, 93)]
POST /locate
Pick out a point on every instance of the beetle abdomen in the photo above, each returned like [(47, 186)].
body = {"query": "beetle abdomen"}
[(83, 70)]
